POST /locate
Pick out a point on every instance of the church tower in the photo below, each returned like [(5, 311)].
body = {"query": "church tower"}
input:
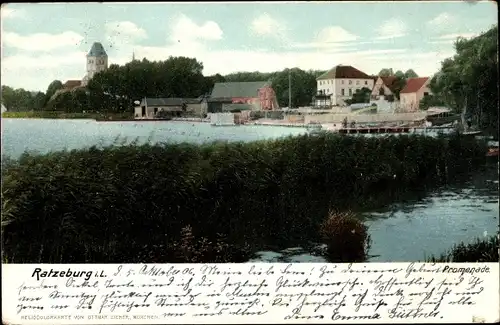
[(97, 60)]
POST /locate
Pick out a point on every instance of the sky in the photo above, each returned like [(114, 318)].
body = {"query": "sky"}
[(42, 42)]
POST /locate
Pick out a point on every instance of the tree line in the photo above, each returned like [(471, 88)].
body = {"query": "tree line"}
[(466, 82), (119, 86)]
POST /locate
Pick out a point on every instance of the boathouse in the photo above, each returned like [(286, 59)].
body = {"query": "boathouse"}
[(259, 94)]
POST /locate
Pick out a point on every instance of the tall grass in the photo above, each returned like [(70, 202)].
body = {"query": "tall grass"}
[(481, 250), (112, 204)]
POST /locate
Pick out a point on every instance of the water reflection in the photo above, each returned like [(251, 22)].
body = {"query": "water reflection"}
[(415, 229)]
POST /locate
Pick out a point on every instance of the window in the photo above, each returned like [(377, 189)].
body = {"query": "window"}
[(357, 82), (342, 81), (426, 94), (366, 82), (350, 82), (342, 91), (350, 92)]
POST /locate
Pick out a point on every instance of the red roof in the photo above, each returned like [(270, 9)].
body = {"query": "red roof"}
[(72, 84), (389, 82), (413, 85), (344, 72)]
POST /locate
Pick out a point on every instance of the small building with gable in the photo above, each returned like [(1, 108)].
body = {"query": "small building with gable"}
[(414, 91)]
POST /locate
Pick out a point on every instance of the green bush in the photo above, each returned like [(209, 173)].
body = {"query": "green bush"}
[(106, 204), (346, 237)]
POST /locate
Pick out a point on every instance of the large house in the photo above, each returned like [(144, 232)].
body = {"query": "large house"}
[(414, 91), (258, 95), (339, 84)]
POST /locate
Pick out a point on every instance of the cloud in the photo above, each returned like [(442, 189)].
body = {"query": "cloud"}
[(456, 35), (265, 25), (34, 71), (442, 21), (8, 12), (331, 39), (335, 34), (42, 42), (184, 29), (392, 28), (451, 38), (122, 36), (125, 29)]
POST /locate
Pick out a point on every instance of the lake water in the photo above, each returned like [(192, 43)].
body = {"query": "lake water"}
[(407, 231), (412, 231), (44, 135)]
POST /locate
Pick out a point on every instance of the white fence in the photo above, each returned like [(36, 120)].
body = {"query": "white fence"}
[(222, 118)]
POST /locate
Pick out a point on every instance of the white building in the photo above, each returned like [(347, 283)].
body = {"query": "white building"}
[(97, 60), (340, 83), (383, 94)]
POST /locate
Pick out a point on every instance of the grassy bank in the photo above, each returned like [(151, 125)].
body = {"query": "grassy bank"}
[(134, 203), (64, 115), (481, 250)]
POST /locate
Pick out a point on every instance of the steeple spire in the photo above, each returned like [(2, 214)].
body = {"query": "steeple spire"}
[(133, 56)]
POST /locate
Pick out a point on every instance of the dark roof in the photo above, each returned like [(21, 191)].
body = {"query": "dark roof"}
[(97, 50), (238, 89), (243, 107), (344, 72), (193, 100), (170, 101), (413, 85), (390, 82), (220, 100), (72, 84)]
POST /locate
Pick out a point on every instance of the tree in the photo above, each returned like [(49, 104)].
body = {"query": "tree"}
[(398, 85), (399, 74), (119, 86), (303, 87), (430, 101), (360, 96), (38, 101), (249, 76), (386, 72), (468, 82), (51, 90), (21, 99), (410, 74), (210, 81)]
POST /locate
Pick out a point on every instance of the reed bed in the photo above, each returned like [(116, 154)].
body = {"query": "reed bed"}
[(481, 250), (125, 204)]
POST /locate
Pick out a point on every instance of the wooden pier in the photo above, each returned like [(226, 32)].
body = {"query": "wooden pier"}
[(393, 129)]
